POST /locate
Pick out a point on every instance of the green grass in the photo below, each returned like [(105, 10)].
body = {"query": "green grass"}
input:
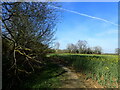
[(48, 78), (102, 68), (92, 65)]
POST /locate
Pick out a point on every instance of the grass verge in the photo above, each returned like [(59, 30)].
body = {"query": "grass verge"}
[(49, 77)]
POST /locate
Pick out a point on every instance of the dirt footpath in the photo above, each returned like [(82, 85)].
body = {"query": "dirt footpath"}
[(77, 80)]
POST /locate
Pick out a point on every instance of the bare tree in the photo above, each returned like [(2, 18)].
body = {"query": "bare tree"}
[(82, 46), (89, 50), (72, 48), (57, 45), (69, 48), (97, 50)]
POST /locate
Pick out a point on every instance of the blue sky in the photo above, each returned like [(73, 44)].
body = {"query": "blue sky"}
[(74, 27)]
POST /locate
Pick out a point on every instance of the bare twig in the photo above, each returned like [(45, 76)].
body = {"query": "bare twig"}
[(30, 64), (24, 71), (28, 56)]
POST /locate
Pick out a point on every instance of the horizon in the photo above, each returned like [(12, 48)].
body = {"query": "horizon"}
[(94, 22)]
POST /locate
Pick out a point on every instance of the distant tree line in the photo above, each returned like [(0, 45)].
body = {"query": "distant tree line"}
[(80, 47)]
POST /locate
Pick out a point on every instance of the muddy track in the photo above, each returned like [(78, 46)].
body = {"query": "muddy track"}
[(72, 79)]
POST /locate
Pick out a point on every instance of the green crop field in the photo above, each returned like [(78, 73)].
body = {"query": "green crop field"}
[(102, 68)]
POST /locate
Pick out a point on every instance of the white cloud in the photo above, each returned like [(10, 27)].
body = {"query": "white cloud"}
[(86, 15), (108, 32)]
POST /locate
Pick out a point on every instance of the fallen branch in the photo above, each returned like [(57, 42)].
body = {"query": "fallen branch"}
[(24, 71), (28, 56)]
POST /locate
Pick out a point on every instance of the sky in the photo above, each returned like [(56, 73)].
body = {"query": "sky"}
[(97, 32)]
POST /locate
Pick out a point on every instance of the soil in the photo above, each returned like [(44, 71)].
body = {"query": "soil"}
[(71, 79)]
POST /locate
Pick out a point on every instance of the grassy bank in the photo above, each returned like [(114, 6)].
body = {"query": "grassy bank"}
[(48, 77)]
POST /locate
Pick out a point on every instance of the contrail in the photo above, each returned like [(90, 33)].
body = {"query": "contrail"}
[(82, 14)]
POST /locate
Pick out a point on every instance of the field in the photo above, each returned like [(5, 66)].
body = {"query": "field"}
[(101, 68)]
